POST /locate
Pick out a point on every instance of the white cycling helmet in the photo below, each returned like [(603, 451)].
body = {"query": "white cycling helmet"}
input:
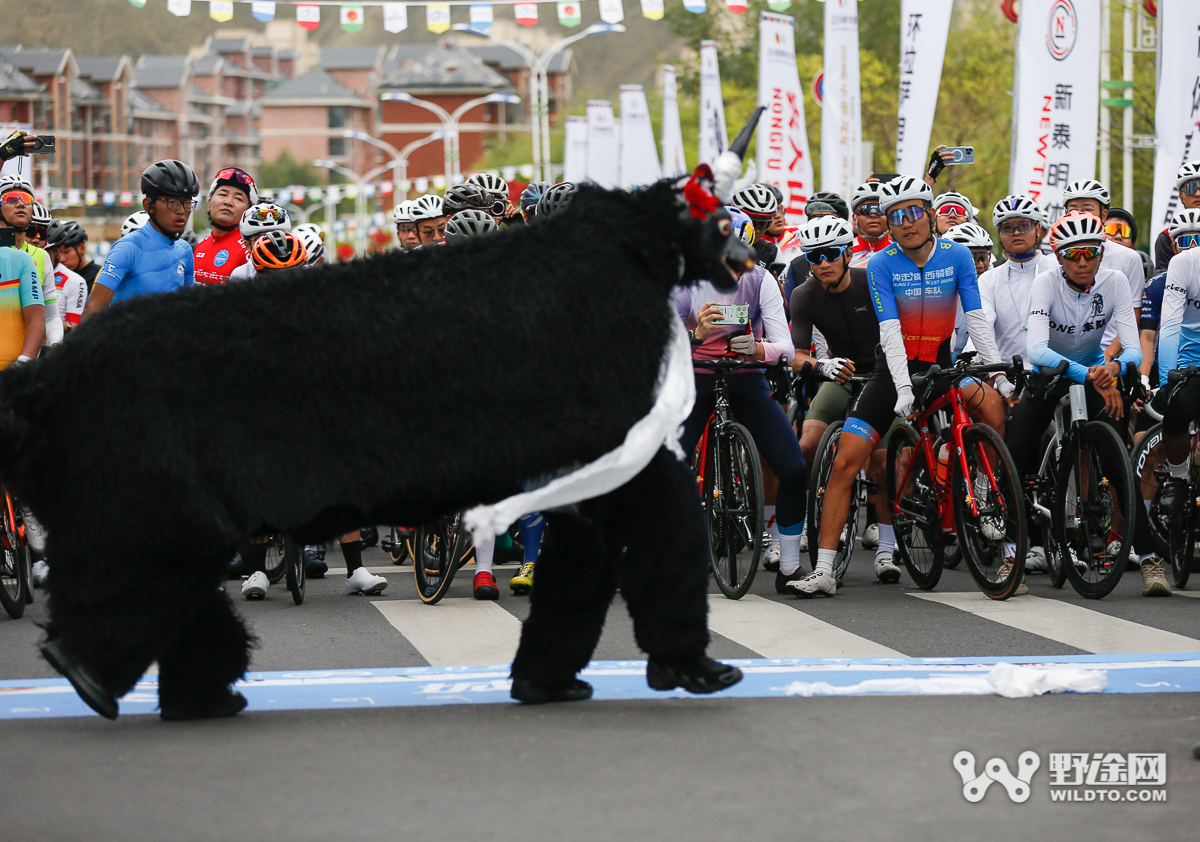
[(904, 189), (309, 236), (868, 191), (1186, 221), (40, 216), (134, 221), (1188, 172), (264, 217), (825, 231), (402, 212), (428, 206), (952, 198), (1075, 227), (14, 182), (491, 184), (1088, 188), (469, 223), (970, 235), (756, 201), (1018, 206)]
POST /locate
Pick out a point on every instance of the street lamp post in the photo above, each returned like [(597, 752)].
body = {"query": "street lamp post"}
[(450, 121), (539, 65), (359, 200), (399, 163)]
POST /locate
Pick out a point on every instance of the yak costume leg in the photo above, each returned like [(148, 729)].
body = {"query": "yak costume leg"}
[(207, 655)]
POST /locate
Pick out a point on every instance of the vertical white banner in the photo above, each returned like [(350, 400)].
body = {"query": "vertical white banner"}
[(575, 150), (673, 161), (1056, 107), (603, 152), (639, 153), (924, 26), (783, 157), (841, 111), (713, 135), (1177, 110)]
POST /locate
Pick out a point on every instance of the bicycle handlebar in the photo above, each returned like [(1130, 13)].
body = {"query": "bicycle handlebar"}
[(730, 364)]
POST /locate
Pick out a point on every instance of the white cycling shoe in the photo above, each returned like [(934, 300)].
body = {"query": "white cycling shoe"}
[(41, 571), (817, 583), (886, 569), (363, 581), (870, 536), (255, 586), (1035, 561)]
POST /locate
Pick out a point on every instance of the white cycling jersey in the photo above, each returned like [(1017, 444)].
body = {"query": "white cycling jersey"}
[(1126, 261), (1065, 324), (72, 294), (1004, 292), (245, 272), (1179, 319)]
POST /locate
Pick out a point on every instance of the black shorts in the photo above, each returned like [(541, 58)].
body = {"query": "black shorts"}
[(874, 413), (1183, 409)]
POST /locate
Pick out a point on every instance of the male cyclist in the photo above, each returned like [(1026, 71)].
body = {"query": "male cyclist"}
[(258, 219), (430, 216), (979, 241), (16, 211), (869, 223), (1187, 182), (1185, 234), (915, 285), (406, 226), (72, 288), (76, 259), (222, 251), (530, 196), (152, 259), (22, 316), (952, 209)]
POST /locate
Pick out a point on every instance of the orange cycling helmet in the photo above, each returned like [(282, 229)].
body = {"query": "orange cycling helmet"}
[(278, 250)]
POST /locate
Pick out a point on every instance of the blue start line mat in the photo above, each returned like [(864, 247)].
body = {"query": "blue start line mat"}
[(620, 680)]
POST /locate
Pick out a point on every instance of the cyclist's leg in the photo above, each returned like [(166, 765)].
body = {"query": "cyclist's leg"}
[(1029, 421), (531, 527), (483, 586), (831, 404), (702, 409), (1183, 409), (358, 578), (984, 404)]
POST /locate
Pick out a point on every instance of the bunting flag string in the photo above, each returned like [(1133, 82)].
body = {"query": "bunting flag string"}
[(263, 10), (569, 14), (395, 17), (352, 18), (308, 15), (220, 10)]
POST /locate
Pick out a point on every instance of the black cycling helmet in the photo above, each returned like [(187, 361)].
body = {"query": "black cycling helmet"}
[(460, 197), (531, 194), (64, 234), (834, 201), (469, 223), (555, 198), (170, 178), (190, 237)]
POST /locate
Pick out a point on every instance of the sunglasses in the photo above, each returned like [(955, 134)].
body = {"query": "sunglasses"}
[(234, 174), (952, 210), (37, 231), (1012, 227), (1073, 253), (16, 197), (1191, 187), (912, 213), (1118, 229), (869, 210), (829, 254), (1187, 241), (266, 215), (982, 257)]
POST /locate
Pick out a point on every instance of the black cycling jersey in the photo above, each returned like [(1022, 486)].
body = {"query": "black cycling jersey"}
[(89, 274), (846, 319)]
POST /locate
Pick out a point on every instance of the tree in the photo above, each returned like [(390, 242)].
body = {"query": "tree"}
[(286, 170)]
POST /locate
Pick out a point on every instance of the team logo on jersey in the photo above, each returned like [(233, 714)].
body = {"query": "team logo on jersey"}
[(179, 269), (1097, 304), (220, 257)]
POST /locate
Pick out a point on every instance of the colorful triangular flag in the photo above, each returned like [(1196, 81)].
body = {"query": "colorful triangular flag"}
[(263, 10), (696, 7), (110, 196), (352, 18), (481, 16), (395, 17), (437, 17), (179, 8), (141, 4), (652, 9), (611, 11), (568, 13), (126, 198), (220, 10), (736, 6), (308, 16), (91, 197), (779, 5), (526, 14)]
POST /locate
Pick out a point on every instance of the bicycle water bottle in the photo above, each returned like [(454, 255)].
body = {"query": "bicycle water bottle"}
[(1078, 405), (943, 464)]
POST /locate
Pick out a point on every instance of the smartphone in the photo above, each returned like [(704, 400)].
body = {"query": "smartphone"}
[(44, 144), (962, 155), (884, 177), (733, 314), (8, 238)]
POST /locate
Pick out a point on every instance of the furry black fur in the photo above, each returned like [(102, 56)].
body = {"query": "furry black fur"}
[(168, 429)]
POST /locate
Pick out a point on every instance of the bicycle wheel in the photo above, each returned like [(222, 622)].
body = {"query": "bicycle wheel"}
[(293, 556), (1177, 543), (818, 480), (913, 499), (1094, 510), (436, 557), (735, 512), (395, 546), (276, 561), (994, 541), (14, 568), (953, 554)]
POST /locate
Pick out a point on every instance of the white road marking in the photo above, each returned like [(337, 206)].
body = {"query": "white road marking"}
[(1073, 625), (1193, 594), (455, 631), (775, 630)]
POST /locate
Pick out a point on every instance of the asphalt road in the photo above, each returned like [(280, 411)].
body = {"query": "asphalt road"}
[(877, 767)]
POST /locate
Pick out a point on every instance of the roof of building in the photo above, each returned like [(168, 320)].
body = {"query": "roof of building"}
[(81, 91), (37, 62), (222, 46), (146, 103), (14, 82), (352, 58), (267, 50), (313, 85), (106, 69), (207, 65), (161, 71), (446, 65), (494, 55)]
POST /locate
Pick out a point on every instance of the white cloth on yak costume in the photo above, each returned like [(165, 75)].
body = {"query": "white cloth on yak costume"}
[(675, 395)]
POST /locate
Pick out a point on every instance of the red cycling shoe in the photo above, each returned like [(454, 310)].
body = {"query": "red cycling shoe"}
[(484, 586)]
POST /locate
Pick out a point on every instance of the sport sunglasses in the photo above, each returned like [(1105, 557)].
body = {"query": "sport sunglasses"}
[(1117, 229), (952, 210), (37, 231), (1191, 187), (234, 174), (16, 197), (871, 209), (1187, 241), (1012, 227), (828, 254), (913, 213), (1077, 252)]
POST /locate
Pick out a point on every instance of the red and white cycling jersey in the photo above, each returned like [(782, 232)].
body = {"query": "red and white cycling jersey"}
[(216, 257), (72, 294)]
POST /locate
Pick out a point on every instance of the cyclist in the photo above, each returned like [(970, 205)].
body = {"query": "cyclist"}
[(468, 223), (1187, 182), (785, 237), (39, 225), (72, 288), (979, 241), (555, 199), (529, 197), (222, 251), (258, 219), (915, 284), (430, 216), (1186, 222), (22, 314), (311, 238), (1120, 227), (406, 226), (952, 209), (869, 223), (765, 337), (759, 203), (75, 258), (16, 211), (497, 192), (151, 259)]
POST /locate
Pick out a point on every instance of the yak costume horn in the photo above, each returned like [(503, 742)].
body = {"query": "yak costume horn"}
[(729, 166)]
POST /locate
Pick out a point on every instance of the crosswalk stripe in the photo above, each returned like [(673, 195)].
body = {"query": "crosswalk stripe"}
[(775, 630), (1083, 628), (1192, 594), (455, 631)]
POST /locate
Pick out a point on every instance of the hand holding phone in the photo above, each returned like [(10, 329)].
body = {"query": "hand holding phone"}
[(733, 314), (959, 155)]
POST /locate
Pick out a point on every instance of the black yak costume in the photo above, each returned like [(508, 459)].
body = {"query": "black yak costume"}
[(388, 390)]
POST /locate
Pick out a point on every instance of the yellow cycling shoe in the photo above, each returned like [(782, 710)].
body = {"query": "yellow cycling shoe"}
[(522, 583)]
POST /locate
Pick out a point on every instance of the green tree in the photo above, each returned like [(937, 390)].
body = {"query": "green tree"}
[(286, 170)]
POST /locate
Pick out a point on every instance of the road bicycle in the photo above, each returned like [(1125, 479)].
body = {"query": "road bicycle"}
[(16, 573), (961, 481), (439, 549)]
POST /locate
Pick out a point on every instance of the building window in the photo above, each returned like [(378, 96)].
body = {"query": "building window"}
[(337, 121)]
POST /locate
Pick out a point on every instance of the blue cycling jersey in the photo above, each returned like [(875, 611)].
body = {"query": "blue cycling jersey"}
[(924, 299), (1152, 297), (144, 262)]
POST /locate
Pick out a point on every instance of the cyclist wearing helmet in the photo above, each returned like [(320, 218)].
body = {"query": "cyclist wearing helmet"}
[(869, 223), (22, 314), (406, 226), (134, 221), (497, 191), (152, 259), (429, 214), (759, 203), (259, 219), (465, 196), (836, 202), (1185, 235), (16, 211), (1187, 182), (76, 259), (222, 251), (530, 196), (39, 226), (1120, 227), (978, 240), (952, 209), (555, 199), (915, 285), (469, 223), (765, 337), (72, 289), (313, 241)]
